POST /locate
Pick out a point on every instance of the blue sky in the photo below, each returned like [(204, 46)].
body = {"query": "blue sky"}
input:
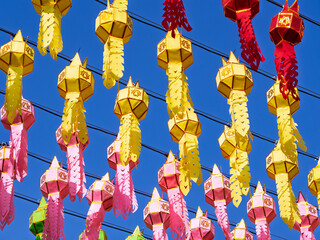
[(209, 27)]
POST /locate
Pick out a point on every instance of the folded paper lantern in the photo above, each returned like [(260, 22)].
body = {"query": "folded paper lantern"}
[(100, 199), (156, 216), (309, 219), (283, 169), (136, 235), (218, 194), (102, 235), (54, 186), (261, 210), (286, 31), (51, 12), (240, 232), (75, 85), (124, 198), (114, 29), (8, 175), (314, 182), (243, 12), (168, 179), (202, 227), (19, 141), (16, 60), (36, 220)]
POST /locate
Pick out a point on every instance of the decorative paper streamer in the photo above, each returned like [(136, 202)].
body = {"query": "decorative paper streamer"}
[(201, 227)]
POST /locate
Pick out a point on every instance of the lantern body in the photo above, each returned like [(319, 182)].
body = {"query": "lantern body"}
[(73, 141), (314, 180), (6, 165), (157, 212), (201, 228), (36, 220), (168, 175), (231, 7), (62, 5)]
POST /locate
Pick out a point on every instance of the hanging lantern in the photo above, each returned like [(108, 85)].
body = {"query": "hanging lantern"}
[(283, 169), (100, 199), (54, 186), (51, 12), (309, 219), (314, 182), (261, 210), (201, 227), (124, 198), (168, 179), (75, 85), (19, 141), (114, 29), (284, 109), (218, 194), (156, 216), (16, 60), (241, 232), (7, 174), (102, 235), (36, 220), (243, 12), (136, 235), (286, 30), (234, 81)]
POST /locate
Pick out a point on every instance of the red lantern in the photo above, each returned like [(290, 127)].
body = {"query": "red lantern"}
[(201, 227)]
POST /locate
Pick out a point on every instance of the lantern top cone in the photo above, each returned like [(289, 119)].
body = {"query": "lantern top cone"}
[(136, 235), (201, 227), (241, 233)]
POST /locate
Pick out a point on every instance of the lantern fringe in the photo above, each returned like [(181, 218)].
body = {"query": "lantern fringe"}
[(6, 200), (13, 95), (50, 31), (262, 230), (94, 221), (307, 234), (159, 233), (289, 211), (222, 217)]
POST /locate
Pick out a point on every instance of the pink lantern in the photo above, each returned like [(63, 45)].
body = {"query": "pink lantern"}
[(156, 216), (124, 199), (100, 198), (261, 210), (168, 179), (309, 219), (201, 227), (55, 187), (218, 194), (7, 174), (21, 123), (76, 176), (240, 232)]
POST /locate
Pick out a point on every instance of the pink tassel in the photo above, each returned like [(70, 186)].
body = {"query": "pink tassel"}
[(222, 216), (53, 225), (179, 222), (124, 198), (20, 145), (76, 174), (306, 234), (94, 221), (6, 200), (262, 230), (159, 233)]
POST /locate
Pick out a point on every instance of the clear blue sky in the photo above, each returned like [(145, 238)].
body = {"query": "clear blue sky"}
[(209, 27)]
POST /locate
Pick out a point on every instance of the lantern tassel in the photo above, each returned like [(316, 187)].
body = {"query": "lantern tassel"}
[(94, 221), (251, 52), (76, 174), (159, 233), (287, 203), (223, 219), (262, 230), (307, 234), (53, 225), (50, 31), (6, 200)]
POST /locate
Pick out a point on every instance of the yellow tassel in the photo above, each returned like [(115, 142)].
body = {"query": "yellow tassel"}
[(50, 31), (120, 4), (289, 211), (13, 92), (112, 61), (236, 192), (318, 197)]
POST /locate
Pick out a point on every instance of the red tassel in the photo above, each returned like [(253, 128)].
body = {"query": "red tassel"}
[(251, 52), (286, 65), (175, 16)]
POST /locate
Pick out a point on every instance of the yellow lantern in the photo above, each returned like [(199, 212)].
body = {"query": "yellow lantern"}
[(314, 182)]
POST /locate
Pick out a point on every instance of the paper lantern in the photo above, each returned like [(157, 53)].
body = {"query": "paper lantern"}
[(54, 186), (124, 198), (314, 182), (8, 175), (100, 199), (156, 216), (243, 12), (51, 12), (309, 219), (36, 220), (102, 235), (75, 85), (168, 179), (16, 60), (240, 232), (286, 30), (218, 194), (136, 235), (114, 29), (201, 227), (261, 210)]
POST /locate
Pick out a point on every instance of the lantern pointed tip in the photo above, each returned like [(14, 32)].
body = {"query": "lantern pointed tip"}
[(232, 58), (137, 84), (285, 7), (224, 62), (130, 83), (85, 62), (171, 157), (199, 213), (295, 7), (108, 4), (55, 163), (259, 188), (155, 194), (42, 203), (301, 197), (18, 37), (242, 224), (106, 177), (215, 169), (136, 231), (76, 61)]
